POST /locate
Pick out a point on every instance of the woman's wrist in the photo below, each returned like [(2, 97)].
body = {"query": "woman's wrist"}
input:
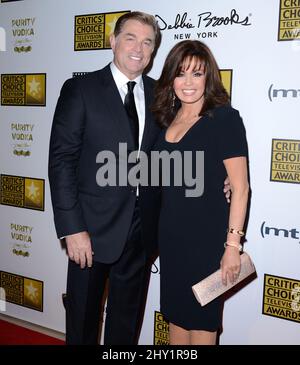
[(233, 245)]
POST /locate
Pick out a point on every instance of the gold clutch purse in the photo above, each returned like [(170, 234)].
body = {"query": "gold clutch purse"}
[(211, 287)]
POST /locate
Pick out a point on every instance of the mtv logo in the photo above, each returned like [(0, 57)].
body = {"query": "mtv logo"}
[(2, 300), (2, 39)]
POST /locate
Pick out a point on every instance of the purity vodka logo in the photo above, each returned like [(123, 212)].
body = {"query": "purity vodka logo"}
[(2, 40), (279, 232), (282, 93)]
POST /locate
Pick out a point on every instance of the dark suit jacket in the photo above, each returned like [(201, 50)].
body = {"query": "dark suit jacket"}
[(89, 118)]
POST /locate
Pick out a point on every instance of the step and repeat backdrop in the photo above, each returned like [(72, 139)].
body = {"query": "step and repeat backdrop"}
[(257, 46)]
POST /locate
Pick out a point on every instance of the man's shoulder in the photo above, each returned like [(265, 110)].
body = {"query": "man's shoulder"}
[(149, 83), (93, 75), (88, 78), (149, 79)]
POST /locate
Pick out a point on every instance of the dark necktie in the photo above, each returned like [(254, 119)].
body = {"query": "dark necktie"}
[(132, 113)]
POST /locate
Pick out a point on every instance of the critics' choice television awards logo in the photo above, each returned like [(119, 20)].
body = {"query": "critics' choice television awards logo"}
[(23, 291), (285, 161), (22, 192), (281, 298), (23, 89), (289, 20), (23, 32), (161, 330), (92, 31)]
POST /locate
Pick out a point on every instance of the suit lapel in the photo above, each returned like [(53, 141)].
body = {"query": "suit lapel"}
[(114, 104), (150, 130)]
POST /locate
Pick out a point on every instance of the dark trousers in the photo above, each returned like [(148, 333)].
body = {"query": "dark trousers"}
[(128, 283)]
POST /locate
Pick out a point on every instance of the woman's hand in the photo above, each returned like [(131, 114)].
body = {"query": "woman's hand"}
[(230, 264)]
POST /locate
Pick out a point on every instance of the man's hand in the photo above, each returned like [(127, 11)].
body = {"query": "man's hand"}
[(227, 189), (80, 249)]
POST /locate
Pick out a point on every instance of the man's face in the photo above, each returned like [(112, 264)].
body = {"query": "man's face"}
[(133, 48)]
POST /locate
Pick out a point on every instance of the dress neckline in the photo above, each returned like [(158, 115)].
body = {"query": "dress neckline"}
[(185, 134)]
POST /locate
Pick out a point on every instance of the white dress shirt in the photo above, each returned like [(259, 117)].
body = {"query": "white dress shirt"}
[(139, 95)]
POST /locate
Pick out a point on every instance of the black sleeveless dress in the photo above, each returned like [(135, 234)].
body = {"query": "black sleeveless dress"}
[(192, 230)]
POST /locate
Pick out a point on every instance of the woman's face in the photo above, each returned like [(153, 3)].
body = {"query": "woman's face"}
[(189, 85)]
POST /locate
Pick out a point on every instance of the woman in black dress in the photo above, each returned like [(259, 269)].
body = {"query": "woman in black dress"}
[(193, 107)]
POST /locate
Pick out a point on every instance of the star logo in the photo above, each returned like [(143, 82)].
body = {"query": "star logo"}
[(31, 291), (32, 191), (34, 87), (111, 25), (33, 294)]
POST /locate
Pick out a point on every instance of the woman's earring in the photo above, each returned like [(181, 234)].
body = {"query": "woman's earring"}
[(173, 100)]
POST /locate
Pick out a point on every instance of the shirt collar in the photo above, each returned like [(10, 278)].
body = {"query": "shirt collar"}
[(121, 80)]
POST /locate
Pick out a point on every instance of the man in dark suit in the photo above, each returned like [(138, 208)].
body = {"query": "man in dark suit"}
[(106, 228)]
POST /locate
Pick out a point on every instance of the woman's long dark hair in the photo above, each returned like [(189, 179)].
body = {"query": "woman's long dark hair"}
[(164, 108)]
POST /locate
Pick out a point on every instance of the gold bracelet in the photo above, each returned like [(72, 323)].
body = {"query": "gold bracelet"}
[(233, 244), (236, 231)]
